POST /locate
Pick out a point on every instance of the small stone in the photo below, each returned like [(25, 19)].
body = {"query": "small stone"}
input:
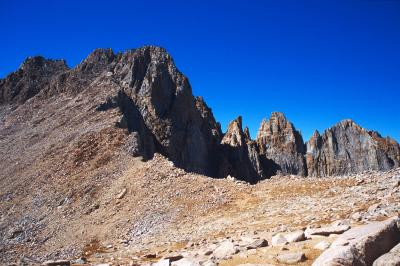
[(209, 263), (80, 261), (295, 236), (373, 207), (356, 216), (150, 256), (57, 263), (162, 262), (323, 245), (292, 258), (326, 231), (186, 262), (259, 243), (278, 240), (252, 251), (225, 250), (122, 193), (251, 264), (396, 184), (173, 257)]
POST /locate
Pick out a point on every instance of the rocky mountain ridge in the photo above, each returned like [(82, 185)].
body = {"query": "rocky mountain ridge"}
[(162, 115)]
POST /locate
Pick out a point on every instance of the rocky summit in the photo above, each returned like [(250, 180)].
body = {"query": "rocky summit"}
[(109, 163), (281, 146)]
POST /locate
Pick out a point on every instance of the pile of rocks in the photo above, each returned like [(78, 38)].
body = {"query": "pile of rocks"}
[(376, 243)]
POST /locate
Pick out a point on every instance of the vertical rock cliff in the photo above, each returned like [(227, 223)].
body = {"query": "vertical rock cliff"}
[(240, 155), (348, 148)]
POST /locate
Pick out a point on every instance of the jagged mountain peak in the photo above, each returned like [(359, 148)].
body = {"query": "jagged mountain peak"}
[(33, 75), (99, 56), (234, 136), (41, 62), (167, 118), (347, 148), (246, 132), (279, 141)]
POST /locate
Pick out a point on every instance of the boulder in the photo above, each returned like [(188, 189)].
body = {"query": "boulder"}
[(323, 245), (225, 250), (291, 258), (186, 262), (162, 262), (361, 245), (259, 243), (279, 240), (392, 258), (326, 231), (295, 236)]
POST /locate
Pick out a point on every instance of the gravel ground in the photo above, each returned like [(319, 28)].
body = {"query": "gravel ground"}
[(69, 189)]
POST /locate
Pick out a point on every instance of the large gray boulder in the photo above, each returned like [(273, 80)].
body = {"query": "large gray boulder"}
[(361, 245), (392, 258)]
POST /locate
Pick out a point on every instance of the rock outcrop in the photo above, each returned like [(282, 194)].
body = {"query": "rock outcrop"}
[(348, 148), (362, 245), (161, 115), (33, 75), (182, 127), (240, 156), (281, 146), (97, 65)]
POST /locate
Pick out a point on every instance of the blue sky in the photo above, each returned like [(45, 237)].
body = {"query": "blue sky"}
[(316, 61)]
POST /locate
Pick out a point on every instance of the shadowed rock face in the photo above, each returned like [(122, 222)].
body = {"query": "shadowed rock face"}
[(33, 75), (347, 148), (183, 126), (281, 146), (240, 155)]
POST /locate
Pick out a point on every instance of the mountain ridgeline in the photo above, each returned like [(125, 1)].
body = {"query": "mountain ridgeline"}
[(161, 115)]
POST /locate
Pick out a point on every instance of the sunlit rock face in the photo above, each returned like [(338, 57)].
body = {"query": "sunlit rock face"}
[(281, 146), (348, 148)]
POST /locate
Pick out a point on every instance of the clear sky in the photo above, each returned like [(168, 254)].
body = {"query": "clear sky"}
[(316, 61)]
